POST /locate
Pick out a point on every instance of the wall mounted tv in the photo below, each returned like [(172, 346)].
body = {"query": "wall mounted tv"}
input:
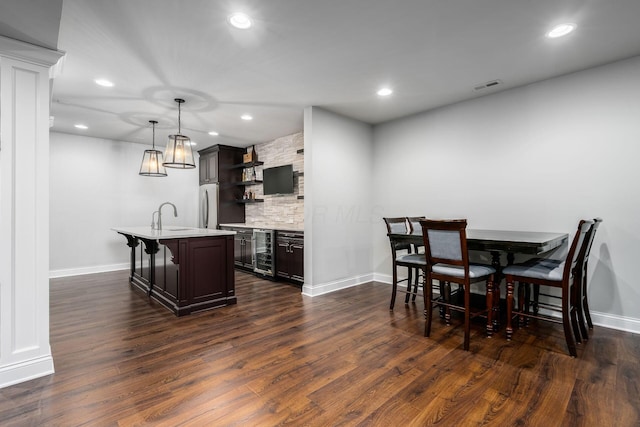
[(278, 180)]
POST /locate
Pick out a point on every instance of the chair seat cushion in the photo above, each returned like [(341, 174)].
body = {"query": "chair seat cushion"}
[(417, 259), (475, 270), (541, 270)]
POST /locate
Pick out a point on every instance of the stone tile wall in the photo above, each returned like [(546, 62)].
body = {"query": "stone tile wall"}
[(287, 210)]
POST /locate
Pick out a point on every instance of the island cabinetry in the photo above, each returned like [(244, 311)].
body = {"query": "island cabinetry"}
[(185, 274), (290, 255)]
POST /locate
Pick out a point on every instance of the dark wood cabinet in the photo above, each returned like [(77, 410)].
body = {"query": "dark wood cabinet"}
[(242, 247), (209, 168), (217, 166), (184, 274), (290, 255)]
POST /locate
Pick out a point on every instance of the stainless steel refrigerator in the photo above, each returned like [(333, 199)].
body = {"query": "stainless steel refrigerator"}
[(208, 210)]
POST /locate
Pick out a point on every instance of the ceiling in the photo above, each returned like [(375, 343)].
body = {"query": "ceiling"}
[(334, 54)]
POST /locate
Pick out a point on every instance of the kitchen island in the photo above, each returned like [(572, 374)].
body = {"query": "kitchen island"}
[(183, 268)]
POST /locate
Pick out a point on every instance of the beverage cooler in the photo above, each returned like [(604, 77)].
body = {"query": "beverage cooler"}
[(263, 243)]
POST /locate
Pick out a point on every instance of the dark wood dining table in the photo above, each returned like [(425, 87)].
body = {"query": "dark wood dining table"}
[(497, 242)]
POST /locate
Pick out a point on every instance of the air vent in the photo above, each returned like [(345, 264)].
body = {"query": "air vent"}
[(488, 85)]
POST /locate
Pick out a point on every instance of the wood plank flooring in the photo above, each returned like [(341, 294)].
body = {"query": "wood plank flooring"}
[(281, 358)]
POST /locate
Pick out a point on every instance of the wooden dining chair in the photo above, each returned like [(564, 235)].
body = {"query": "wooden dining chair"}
[(415, 227), (581, 318), (402, 256), (562, 275), (445, 243), (583, 300)]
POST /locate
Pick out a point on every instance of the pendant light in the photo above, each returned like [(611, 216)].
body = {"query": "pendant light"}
[(152, 159), (178, 153)]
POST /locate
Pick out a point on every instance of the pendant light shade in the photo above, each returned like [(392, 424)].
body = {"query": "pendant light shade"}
[(178, 153), (152, 159)]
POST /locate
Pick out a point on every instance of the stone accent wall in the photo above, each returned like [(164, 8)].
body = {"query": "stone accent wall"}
[(287, 210)]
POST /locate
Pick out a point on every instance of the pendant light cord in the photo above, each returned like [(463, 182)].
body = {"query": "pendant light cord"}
[(154, 135), (179, 133)]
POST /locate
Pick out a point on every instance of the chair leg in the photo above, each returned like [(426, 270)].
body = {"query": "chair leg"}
[(409, 280), (441, 307), (566, 323), (521, 297), (428, 304), (415, 286), (447, 299), (536, 297), (579, 331), (394, 286), (467, 316), (585, 302), (509, 329), (580, 309), (489, 292)]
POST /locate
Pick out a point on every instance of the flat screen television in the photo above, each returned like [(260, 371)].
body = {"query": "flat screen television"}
[(278, 180)]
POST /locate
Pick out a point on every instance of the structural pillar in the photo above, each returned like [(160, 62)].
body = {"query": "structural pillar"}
[(25, 352)]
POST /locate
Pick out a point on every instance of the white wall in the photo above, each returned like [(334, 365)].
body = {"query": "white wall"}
[(94, 185), (539, 157), (338, 194)]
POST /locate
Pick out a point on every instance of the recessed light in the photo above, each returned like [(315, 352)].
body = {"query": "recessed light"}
[(214, 133), (104, 82), (246, 117), (240, 20), (80, 126), (561, 30), (385, 91)]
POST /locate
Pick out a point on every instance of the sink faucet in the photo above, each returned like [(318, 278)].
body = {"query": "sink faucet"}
[(153, 223), (175, 213)]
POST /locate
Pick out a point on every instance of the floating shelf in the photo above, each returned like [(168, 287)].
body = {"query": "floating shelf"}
[(300, 151), (296, 173), (247, 165), (300, 197), (249, 200), (253, 182)]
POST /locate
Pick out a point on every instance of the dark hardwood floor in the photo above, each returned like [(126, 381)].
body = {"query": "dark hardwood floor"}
[(279, 358)]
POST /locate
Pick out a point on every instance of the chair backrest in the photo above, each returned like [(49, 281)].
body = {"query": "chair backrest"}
[(573, 257), (414, 224), (586, 245), (591, 236), (397, 226), (445, 241)]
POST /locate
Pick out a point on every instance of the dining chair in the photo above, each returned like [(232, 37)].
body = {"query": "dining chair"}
[(584, 302), (445, 243), (403, 256), (579, 295), (563, 275), (415, 227)]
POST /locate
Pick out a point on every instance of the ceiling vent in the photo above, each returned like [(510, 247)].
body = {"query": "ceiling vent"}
[(488, 85)]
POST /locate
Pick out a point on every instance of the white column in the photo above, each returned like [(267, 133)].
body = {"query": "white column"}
[(25, 352)]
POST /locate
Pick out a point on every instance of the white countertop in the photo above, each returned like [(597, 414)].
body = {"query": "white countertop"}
[(267, 226), (171, 232)]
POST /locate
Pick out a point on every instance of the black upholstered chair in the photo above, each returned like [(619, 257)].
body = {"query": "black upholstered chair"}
[(402, 256), (447, 257), (563, 275)]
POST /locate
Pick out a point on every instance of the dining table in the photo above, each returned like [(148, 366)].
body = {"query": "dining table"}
[(498, 242)]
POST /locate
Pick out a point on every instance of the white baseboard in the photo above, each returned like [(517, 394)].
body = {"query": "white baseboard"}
[(26, 370), (621, 323), (87, 270), (326, 288), (605, 320)]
